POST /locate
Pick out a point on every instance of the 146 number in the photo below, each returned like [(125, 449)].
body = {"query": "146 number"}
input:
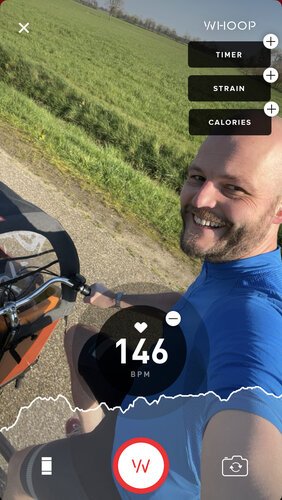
[(159, 355)]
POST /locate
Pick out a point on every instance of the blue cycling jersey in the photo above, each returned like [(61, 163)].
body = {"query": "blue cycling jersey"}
[(231, 317), (236, 331)]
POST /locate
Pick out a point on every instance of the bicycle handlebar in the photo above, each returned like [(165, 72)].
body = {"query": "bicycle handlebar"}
[(16, 304)]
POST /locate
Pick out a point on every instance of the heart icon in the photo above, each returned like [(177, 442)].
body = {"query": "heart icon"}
[(140, 327)]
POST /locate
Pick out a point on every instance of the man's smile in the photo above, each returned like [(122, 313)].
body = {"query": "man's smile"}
[(207, 223), (203, 218)]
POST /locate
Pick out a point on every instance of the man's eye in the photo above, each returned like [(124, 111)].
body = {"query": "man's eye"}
[(230, 187), (197, 178)]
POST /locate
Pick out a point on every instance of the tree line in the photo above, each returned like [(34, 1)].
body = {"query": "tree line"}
[(114, 8)]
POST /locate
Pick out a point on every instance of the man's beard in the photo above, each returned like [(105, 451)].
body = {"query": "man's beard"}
[(234, 244)]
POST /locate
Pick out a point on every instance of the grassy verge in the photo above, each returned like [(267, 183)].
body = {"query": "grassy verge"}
[(144, 150), (129, 190)]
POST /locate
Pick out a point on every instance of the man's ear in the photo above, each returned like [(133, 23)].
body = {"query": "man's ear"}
[(278, 216)]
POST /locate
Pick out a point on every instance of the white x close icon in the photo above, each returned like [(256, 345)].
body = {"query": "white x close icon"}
[(23, 28)]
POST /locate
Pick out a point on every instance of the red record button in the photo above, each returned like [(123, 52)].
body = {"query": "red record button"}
[(141, 465)]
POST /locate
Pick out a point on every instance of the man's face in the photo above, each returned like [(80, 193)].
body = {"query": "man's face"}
[(228, 202)]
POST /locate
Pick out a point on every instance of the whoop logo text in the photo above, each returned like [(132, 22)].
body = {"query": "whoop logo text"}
[(141, 465), (229, 25)]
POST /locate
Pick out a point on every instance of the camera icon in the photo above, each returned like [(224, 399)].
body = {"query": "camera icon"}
[(236, 466)]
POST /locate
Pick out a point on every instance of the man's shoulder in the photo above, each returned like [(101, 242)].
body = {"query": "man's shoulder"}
[(242, 303), (264, 283), (247, 310), (245, 345)]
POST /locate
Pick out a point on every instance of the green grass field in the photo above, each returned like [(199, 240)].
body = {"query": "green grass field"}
[(106, 98)]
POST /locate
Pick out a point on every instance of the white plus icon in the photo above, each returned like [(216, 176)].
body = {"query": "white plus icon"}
[(271, 109), (270, 75), (270, 41)]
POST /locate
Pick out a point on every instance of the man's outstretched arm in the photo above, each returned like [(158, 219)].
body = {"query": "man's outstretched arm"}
[(238, 433), (104, 298)]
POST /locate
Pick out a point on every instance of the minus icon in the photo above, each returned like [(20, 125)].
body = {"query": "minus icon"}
[(173, 318)]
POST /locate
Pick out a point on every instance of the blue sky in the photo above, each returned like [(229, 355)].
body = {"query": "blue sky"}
[(187, 16)]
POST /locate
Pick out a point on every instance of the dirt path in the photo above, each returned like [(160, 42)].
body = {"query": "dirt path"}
[(111, 250)]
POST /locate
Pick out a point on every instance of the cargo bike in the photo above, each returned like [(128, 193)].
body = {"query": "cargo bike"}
[(39, 281)]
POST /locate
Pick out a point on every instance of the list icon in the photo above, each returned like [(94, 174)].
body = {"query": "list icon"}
[(46, 466)]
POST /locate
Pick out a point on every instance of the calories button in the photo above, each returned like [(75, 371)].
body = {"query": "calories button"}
[(229, 122)]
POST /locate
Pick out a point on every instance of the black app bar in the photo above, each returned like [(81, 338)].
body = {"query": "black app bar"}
[(229, 122), (228, 55), (228, 88)]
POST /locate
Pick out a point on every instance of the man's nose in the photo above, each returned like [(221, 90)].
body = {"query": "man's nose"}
[(206, 196)]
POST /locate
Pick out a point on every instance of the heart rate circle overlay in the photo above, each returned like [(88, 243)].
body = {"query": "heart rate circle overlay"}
[(141, 465), (138, 353)]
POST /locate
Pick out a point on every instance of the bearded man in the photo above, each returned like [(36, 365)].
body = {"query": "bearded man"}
[(231, 316)]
